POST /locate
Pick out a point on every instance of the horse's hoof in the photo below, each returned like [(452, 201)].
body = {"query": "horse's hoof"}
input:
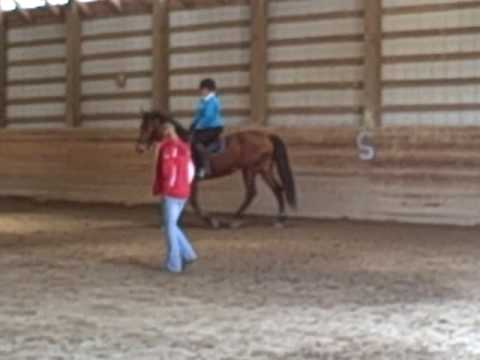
[(236, 224)]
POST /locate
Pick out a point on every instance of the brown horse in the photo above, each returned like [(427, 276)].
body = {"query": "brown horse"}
[(253, 152)]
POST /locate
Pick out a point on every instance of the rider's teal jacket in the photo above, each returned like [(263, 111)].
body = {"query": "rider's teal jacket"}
[(208, 114)]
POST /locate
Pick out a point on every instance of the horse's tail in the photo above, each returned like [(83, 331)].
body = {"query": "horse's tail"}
[(284, 170)]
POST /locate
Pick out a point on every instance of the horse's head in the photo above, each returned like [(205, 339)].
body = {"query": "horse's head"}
[(152, 129)]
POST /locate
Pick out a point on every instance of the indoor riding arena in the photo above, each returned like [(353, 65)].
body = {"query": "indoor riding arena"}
[(378, 105)]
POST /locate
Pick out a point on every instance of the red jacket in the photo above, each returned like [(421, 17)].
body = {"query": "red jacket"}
[(173, 169)]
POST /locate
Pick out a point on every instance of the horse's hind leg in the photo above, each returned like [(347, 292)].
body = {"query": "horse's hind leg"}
[(277, 190), (249, 177)]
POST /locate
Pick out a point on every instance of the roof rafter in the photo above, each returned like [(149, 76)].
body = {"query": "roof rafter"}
[(117, 5), (54, 9), (83, 7), (25, 14)]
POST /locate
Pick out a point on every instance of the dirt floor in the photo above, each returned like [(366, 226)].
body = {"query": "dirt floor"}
[(85, 282)]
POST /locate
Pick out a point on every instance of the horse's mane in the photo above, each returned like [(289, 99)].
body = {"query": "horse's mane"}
[(165, 117)]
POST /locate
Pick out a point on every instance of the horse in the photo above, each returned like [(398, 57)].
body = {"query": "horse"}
[(253, 152)]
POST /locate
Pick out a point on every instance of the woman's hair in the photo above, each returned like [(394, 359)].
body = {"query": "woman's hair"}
[(208, 84)]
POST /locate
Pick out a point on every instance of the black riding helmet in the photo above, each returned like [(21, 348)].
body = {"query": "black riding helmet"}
[(208, 84)]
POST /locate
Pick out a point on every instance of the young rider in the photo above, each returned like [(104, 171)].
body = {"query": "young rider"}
[(207, 125)]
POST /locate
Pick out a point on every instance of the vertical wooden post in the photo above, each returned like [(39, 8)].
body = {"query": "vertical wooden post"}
[(73, 50), (258, 62), (3, 69), (160, 63), (372, 114)]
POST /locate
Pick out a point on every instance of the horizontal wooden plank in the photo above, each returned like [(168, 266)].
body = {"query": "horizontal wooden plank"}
[(36, 100), (42, 61), (341, 14), (110, 76), (36, 119), (40, 42), (315, 40), (430, 82), (327, 85), (431, 32), (116, 55), (117, 96), (225, 90), (214, 25), (225, 112), (117, 35), (352, 61), (209, 69), (431, 108), (209, 47), (433, 7), (182, 5), (399, 59), (111, 116), (42, 81), (317, 110)]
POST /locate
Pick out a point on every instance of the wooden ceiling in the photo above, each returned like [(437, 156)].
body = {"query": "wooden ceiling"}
[(102, 8)]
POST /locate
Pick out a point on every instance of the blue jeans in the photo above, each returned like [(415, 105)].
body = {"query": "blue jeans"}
[(179, 249)]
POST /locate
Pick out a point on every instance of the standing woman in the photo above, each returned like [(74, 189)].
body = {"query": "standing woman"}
[(173, 175)]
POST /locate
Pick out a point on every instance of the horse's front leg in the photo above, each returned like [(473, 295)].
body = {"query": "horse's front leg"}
[(198, 211)]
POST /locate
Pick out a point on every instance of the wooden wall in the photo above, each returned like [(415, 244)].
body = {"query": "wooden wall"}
[(427, 167), (315, 62), (36, 76), (115, 49), (210, 42)]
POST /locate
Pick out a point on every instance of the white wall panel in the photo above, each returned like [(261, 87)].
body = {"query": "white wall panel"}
[(112, 66), (114, 45), (212, 15), (302, 7), (324, 74), (95, 107), (432, 45), (36, 52), (31, 33), (392, 3), (50, 125), (117, 24), (315, 28), (229, 120), (35, 72), (191, 81), (314, 120), (210, 58), (315, 98), (457, 118), (228, 101), (432, 95), (112, 124), (432, 70), (443, 19), (315, 52), (52, 109), (32, 91), (208, 37), (110, 86)]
